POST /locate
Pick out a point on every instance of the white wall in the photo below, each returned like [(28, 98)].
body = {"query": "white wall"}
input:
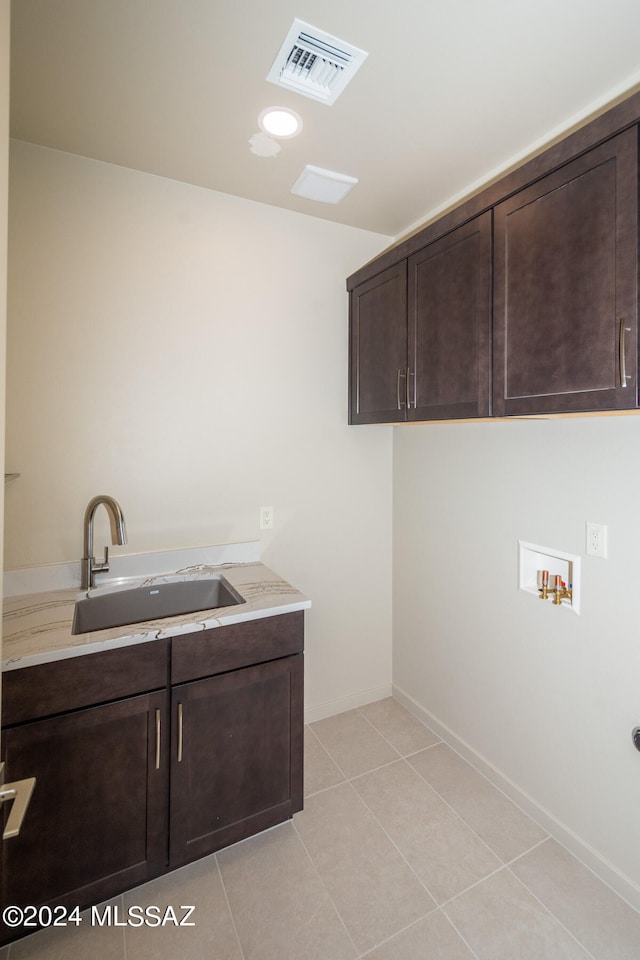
[(545, 697), (5, 33), (186, 352)]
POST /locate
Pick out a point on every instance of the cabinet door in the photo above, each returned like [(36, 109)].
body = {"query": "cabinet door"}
[(565, 307), (449, 285), (97, 821), (378, 348), (237, 758)]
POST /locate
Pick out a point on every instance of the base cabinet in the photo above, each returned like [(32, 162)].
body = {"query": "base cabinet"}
[(97, 820), (136, 783), (237, 765)]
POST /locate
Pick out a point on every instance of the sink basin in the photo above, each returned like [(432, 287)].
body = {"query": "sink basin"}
[(152, 602)]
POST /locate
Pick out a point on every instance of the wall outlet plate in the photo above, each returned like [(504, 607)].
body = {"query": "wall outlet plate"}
[(597, 540), (266, 518)]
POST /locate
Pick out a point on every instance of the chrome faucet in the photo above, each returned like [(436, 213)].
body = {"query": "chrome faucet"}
[(118, 535)]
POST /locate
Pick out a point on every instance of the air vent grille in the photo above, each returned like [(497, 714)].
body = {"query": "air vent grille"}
[(314, 63)]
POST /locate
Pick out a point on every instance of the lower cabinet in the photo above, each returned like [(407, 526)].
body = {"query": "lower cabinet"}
[(236, 768), (137, 783), (97, 819)]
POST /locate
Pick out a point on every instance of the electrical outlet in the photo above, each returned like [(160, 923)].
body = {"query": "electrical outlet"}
[(597, 540), (266, 518)]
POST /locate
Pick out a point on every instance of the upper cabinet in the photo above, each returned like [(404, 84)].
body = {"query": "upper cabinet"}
[(565, 282), (522, 301), (420, 333), (378, 347), (450, 325)]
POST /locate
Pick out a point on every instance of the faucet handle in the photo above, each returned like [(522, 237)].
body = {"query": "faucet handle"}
[(101, 567)]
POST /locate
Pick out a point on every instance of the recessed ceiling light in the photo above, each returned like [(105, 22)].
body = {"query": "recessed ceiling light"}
[(280, 122)]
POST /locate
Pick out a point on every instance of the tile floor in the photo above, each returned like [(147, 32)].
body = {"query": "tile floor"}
[(403, 852)]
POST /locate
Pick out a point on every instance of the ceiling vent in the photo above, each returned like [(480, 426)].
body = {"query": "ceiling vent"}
[(325, 186), (314, 63)]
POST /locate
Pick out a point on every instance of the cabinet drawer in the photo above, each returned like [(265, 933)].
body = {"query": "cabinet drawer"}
[(49, 688), (208, 652)]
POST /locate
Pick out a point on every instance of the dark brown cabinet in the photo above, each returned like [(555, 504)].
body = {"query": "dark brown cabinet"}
[(97, 819), (93, 732), (521, 301), (237, 758), (149, 756), (420, 333), (565, 315), (449, 312), (237, 744), (378, 348)]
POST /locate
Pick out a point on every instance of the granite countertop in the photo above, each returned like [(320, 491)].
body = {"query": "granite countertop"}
[(37, 626)]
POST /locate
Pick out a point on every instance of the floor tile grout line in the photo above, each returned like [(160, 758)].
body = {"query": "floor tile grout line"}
[(552, 914), (458, 816), (380, 734), (357, 776), (395, 845), (455, 749), (506, 867), (460, 934), (452, 809), (488, 781), (406, 757), (547, 836), (530, 850), (414, 923), (331, 758), (586, 866), (325, 888), (228, 903), (472, 886), (504, 863), (346, 776), (420, 881), (470, 826)]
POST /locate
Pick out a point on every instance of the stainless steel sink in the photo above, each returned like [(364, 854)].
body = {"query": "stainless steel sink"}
[(152, 602)]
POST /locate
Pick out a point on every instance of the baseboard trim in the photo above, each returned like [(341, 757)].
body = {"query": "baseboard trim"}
[(323, 710), (603, 869)]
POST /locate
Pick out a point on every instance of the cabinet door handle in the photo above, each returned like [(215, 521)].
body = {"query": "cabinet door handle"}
[(158, 731), (623, 356), (401, 373), (20, 793), (179, 733), (411, 373)]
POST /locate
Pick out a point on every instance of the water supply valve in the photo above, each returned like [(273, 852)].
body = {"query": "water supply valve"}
[(559, 592)]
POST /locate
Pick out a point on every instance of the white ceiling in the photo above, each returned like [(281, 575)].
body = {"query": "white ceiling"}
[(452, 91)]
